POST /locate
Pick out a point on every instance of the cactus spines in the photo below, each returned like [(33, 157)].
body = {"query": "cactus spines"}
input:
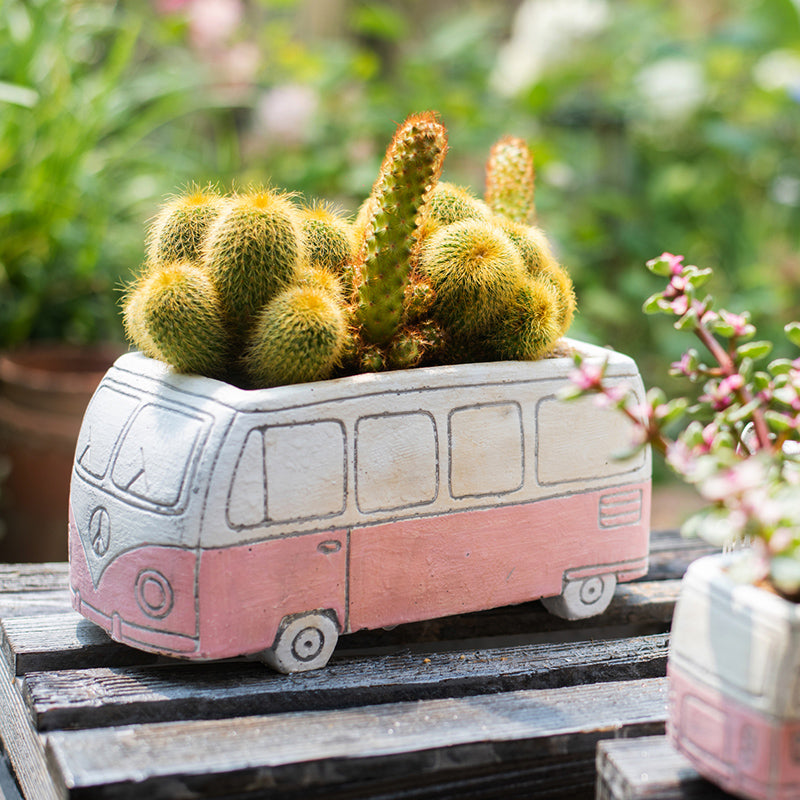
[(252, 252), (175, 308), (509, 179), (329, 239), (530, 328), (539, 261), (419, 298), (411, 167), (321, 279), (299, 336), (133, 320), (177, 231), (371, 359), (475, 270), (448, 204)]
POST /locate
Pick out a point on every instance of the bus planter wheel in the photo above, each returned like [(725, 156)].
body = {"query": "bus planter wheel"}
[(582, 597), (303, 642)]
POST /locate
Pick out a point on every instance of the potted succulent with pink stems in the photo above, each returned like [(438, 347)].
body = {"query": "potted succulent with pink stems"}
[(735, 646)]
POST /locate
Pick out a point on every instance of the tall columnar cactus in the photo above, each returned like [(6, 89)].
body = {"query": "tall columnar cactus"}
[(509, 179), (411, 167), (177, 231), (253, 251), (329, 239), (475, 271), (175, 311), (299, 336)]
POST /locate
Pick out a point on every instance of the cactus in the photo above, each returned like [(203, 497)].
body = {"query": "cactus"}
[(252, 252), (530, 327), (475, 271), (329, 239), (419, 299), (509, 179), (133, 320), (177, 231), (175, 308), (299, 336), (448, 204), (539, 261), (321, 279), (411, 167)]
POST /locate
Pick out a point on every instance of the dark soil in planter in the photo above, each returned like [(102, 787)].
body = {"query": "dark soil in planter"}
[(44, 391)]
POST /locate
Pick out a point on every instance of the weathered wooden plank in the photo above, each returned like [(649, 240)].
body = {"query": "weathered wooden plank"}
[(34, 577), (649, 768), (671, 554), (67, 641), (26, 604), (22, 743), (8, 786), (248, 755), (96, 697), (61, 641)]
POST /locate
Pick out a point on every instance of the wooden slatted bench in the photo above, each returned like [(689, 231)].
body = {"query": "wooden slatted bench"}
[(504, 703)]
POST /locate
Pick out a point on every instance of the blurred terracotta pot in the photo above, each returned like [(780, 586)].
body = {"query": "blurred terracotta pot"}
[(44, 391)]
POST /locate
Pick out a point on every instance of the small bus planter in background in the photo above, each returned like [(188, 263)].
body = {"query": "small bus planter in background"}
[(734, 670), (734, 708), (208, 521)]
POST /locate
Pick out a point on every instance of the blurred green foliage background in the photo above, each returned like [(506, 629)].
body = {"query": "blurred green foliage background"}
[(655, 126)]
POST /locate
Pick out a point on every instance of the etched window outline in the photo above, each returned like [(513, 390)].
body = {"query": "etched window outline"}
[(267, 522), (436, 470), (637, 464), (476, 406), (118, 437), (189, 465)]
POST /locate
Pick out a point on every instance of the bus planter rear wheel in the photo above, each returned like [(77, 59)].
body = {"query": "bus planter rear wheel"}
[(582, 597), (303, 642)]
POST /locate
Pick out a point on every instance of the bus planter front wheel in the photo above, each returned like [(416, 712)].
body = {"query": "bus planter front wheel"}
[(303, 642)]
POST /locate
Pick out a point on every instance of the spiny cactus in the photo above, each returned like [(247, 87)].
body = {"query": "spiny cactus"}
[(321, 279), (411, 167), (529, 328), (176, 310), (177, 231), (447, 204), (329, 238), (509, 179), (252, 252), (474, 270), (299, 336), (540, 262)]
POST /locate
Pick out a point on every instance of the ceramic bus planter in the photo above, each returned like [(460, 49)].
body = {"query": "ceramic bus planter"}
[(735, 683), (207, 521)]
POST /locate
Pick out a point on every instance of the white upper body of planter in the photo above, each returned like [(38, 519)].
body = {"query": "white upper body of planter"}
[(206, 519)]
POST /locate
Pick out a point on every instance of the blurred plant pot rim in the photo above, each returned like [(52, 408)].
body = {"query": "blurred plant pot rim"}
[(45, 388)]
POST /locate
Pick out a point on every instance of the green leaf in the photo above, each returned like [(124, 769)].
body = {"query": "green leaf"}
[(699, 277), (778, 423), (688, 321), (792, 331), (780, 366), (754, 350), (653, 304), (659, 266)]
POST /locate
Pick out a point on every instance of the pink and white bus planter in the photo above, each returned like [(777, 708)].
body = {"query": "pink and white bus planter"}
[(208, 521), (734, 668)]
